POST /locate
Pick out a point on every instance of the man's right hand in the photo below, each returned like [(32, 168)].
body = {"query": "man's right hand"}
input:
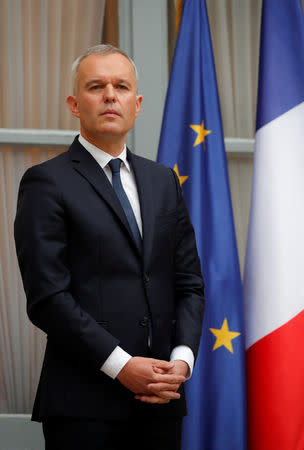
[(138, 375)]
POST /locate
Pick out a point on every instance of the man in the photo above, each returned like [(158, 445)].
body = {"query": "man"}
[(111, 273)]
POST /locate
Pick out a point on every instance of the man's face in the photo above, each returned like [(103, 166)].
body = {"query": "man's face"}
[(106, 102)]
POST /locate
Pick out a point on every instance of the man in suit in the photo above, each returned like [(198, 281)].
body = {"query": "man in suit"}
[(111, 273)]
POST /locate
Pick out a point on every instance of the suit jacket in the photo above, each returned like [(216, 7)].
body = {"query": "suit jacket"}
[(89, 288)]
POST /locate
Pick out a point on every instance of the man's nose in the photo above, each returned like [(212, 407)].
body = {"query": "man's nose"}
[(109, 94)]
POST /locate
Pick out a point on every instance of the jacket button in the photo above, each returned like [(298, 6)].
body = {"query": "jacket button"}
[(146, 278), (144, 322)]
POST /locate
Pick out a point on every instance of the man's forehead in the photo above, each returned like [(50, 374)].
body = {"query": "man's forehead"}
[(114, 63)]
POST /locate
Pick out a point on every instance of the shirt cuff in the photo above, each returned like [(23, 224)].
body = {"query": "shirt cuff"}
[(115, 362), (184, 353)]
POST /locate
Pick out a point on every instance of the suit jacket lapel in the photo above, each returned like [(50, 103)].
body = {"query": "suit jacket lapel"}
[(86, 165), (145, 193)]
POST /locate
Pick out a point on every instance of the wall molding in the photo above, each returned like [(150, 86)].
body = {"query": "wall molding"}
[(65, 137), (37, 137)]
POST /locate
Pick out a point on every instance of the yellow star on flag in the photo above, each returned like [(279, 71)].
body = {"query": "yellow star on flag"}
[(182, 178), (201, 133), (224, 336)]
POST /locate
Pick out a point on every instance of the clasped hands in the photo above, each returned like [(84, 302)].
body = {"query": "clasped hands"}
[(153, 380)]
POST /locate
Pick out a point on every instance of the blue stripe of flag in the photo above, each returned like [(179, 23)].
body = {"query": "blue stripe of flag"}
[(278, 94)]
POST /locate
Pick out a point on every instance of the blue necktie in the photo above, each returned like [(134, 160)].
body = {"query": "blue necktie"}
[(122, 196)]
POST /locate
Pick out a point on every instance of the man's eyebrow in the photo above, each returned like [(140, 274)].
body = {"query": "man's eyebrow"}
[(93, 81), (124, 81), (100, 80)]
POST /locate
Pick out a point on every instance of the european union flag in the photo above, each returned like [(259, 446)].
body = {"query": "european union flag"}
[(192, 143)]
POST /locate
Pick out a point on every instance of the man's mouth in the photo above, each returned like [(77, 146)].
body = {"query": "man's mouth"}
[(110, 112)]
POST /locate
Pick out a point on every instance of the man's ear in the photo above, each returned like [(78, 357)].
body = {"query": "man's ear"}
[(139, 99), (73, 105)]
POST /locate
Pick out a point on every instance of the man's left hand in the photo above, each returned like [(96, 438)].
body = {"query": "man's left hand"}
[(160, 392)]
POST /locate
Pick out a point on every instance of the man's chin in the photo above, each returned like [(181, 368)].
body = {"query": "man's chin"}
[(111, 131), (108, 133)]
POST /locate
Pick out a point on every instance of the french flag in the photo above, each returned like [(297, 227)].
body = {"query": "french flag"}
[(274, 269)]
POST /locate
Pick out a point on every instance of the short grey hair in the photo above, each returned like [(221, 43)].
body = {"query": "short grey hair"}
[(101, 49)]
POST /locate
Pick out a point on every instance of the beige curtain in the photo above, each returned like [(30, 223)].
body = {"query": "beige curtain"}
[(22, 345), (240, 176), (39, 39), (235, 32)]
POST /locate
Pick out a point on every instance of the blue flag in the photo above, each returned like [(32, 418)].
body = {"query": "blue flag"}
[(192, 143)]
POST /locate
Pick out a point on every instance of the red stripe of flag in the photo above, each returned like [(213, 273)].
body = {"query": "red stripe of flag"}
[(275, 384)]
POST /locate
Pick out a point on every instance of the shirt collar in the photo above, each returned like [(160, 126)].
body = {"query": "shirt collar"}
[(102, 157)]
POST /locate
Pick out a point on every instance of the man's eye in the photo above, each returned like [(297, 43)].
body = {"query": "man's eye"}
[(122, 86), (95, 87)]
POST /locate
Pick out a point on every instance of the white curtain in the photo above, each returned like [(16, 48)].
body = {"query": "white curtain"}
[(39, 39)]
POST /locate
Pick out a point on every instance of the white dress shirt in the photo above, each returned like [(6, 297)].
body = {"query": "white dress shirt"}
[(118, 358)]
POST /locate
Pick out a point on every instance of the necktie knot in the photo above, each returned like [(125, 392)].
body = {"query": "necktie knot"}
[(115, 165)]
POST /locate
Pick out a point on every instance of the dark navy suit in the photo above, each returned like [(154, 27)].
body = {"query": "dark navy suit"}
[(89, 288)]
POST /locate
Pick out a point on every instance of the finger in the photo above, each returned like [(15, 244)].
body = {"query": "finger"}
[(168, 378), (151, 399), (157, 387), (161, 364), (158, 370), (162, 371), (168, 395)]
